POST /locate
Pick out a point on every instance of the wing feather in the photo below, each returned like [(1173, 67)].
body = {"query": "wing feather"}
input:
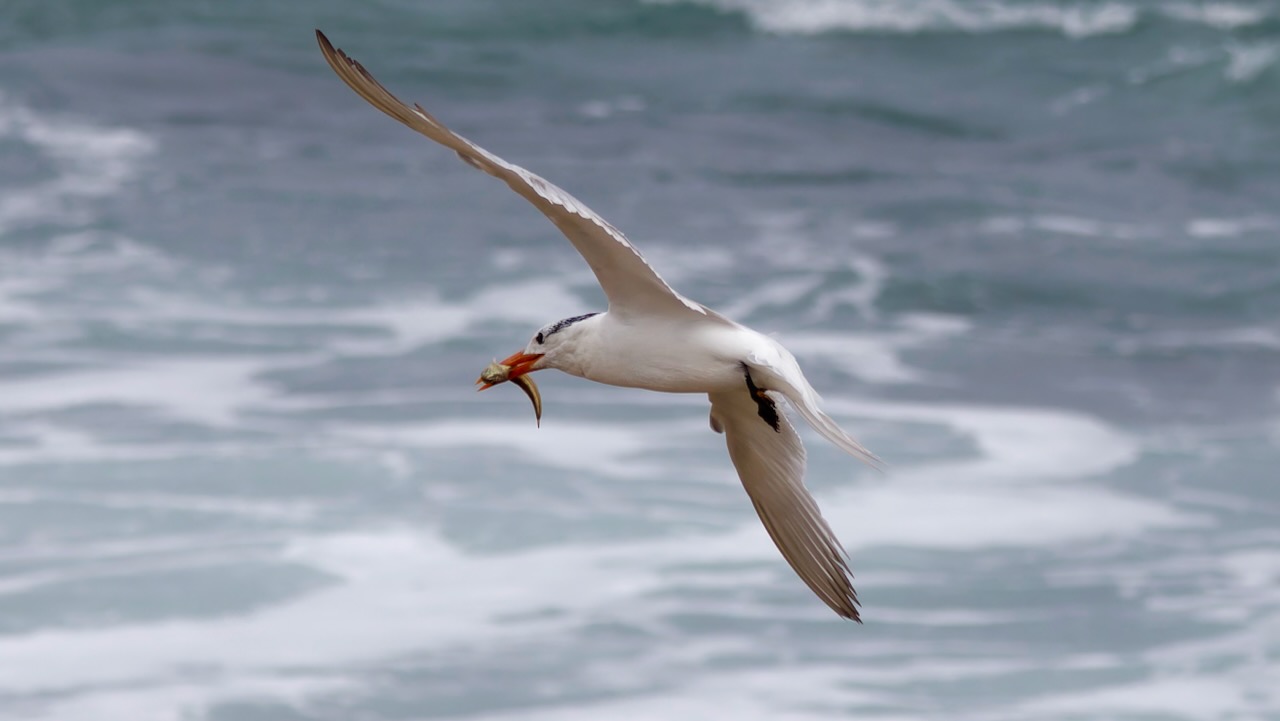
[(628, 281), (771, 465)]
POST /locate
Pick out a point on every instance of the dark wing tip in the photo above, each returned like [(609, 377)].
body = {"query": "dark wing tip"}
[(330, 51), (847, 606)]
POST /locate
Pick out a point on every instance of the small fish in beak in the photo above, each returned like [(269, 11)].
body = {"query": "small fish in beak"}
[(496, 373)]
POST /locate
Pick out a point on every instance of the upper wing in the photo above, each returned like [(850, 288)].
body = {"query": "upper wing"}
[(627, 279), (771, 465)]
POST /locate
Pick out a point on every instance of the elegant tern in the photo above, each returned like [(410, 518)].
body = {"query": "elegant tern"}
[(652, 337)]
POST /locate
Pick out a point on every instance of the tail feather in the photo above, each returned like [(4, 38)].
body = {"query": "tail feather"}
[(782, 373), (829, 429)]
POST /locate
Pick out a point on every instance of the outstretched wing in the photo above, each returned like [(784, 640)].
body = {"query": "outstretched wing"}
[(770, 460), (628, 281)]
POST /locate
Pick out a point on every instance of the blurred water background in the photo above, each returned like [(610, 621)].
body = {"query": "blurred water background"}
[(1029, 251)]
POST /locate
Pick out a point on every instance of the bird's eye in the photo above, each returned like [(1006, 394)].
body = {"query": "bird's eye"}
[(539, 339)]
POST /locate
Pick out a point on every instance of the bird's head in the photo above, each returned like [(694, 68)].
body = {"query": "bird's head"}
[(553, 346)]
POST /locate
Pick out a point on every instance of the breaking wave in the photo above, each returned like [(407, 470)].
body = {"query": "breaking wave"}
[(808, 17)]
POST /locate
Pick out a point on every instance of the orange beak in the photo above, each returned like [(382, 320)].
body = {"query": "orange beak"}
[(515, 369), (518, 364)]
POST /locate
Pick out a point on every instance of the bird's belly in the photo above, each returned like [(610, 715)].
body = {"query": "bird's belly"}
[(668, 378), (689, 366)]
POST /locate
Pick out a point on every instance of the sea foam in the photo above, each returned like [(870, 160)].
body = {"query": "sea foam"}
[(1077, 20)]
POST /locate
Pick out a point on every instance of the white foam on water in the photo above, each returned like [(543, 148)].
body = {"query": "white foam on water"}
[(873, 229), (861, 295), (63, 579), (13, 308), (407, 591), (1014, 444), (1192, 695), (1090, 227), (1248, 61), (870, 358), (179, 700), (773, 293), (1229, 227), (408, 323), (1069, 225), (1255, 570), (217, 390), (434, 321), (797, 691), (787, 288), (936, 515), (602, 109), (211, 391), (1222, 15), (1258, 337), (1075, 20), (45, 443), (65, 261), (1085, 95), (1027, 485), (800, 692), (1237, 672), (1178, 60), (92, 161), (404, 591), (875, 357), (807, 693), (612, 450), (1246, 587), (914, 16), (683, 265), (292, 511)]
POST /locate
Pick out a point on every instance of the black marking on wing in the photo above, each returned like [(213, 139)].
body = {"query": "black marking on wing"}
[(765, 406), (561, 325)]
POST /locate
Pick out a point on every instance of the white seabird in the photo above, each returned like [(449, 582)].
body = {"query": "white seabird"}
[(654, 338)]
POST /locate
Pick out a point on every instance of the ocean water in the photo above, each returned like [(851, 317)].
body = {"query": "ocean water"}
[(1028, 251)]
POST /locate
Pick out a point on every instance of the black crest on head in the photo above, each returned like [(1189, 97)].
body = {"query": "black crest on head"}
[(561, 325)]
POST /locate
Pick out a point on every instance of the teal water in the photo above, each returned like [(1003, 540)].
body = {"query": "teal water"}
[(1028, 251)]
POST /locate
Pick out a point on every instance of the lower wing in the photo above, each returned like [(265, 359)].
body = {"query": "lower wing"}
[(771, 460)]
